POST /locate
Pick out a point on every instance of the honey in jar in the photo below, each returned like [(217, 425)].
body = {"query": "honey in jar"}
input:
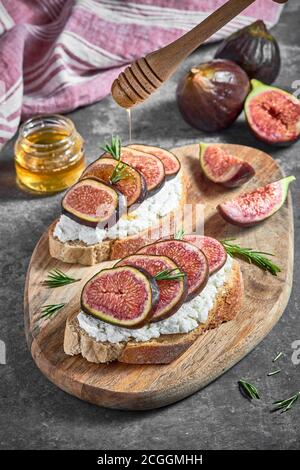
[(49, 154)]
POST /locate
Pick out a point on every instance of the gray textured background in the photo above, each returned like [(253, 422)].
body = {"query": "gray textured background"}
[(35, 414)]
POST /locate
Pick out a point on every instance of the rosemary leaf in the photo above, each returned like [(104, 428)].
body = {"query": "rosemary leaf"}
[(169, 275), (285, 405), (57, 278), (248, 389), (278, 356), (274, 372), (114, 148), (50, 310), (119, 173), (179, 234), (252, 256)]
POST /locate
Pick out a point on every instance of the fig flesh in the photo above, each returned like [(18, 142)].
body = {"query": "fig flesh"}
[(214, 251), (211, 96), (172, 293), (147, 164), (91, 202), (169, 160), (273, 114), (221, 167), (256, 205), (188, 258), (132, 186), (123, 296), (255, 50)]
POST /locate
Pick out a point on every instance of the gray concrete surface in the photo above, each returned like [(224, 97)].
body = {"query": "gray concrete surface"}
[(35, 414)]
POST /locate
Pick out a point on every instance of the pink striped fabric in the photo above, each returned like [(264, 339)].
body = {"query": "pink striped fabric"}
[(56, 55)]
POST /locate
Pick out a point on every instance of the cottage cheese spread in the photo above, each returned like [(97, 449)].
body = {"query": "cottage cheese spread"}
[(186, 319), (143, 216)]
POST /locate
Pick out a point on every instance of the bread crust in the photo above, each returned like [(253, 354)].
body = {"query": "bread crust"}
[(88, 255), (164, 349)]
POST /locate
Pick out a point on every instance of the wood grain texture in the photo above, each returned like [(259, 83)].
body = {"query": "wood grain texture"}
[(138, 387)]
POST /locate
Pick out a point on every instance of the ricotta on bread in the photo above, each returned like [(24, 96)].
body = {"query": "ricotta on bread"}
[(72, 242), (164, 341)]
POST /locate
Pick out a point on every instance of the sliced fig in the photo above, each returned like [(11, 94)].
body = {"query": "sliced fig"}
[(188, 258), (91, 202), (124, 296), (214, 251), (256, 205), (133, 185), (148, 165), (172, 293), (221, 167), (273, 115), (169, 160), (255, 50)]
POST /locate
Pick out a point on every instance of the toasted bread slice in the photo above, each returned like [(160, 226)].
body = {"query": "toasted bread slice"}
[(88, 255), (164, 349)]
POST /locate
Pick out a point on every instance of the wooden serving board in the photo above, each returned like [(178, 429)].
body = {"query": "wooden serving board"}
[(139, 387)]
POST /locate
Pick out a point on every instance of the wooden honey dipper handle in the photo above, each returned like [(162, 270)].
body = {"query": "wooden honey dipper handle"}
[(144, 76)]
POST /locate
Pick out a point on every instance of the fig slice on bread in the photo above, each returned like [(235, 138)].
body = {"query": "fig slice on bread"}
[(188, 258), (169, 160), (214, 250), (147, 164), (172, 291), (131, 183), (123, 296), (91, 202)]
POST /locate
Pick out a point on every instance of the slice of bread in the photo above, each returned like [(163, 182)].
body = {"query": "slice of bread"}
[(88, 255), (164, 349)]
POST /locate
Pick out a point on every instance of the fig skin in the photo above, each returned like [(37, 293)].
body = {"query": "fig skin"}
[(113, 321), (283, 135), (232, 211), (238, 174), (255, 50), (211, 95)]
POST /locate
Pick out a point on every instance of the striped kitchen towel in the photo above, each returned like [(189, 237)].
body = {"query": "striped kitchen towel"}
[(56, 55)]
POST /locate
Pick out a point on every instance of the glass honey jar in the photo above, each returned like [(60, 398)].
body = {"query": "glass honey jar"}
[(49, 154)]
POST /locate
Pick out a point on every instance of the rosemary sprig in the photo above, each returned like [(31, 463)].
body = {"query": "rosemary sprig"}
[(57, 278), (252, 256), (179, 234), (285, 405), (118, 174), (278, 356), (169, 275), (114, 148), (274, 372), (50, 310), (248, 389)]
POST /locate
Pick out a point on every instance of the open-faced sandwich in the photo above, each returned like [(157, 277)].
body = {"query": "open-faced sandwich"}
[(151, 306), (121, 203)]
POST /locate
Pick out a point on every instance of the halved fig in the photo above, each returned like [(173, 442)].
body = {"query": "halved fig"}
[(148, 165), (124, 296), (169, 160), (257, 205), (91, 202), (221, 167), (214, 250), (133, 185), (172, 293), (188, 258), (273, 114)]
